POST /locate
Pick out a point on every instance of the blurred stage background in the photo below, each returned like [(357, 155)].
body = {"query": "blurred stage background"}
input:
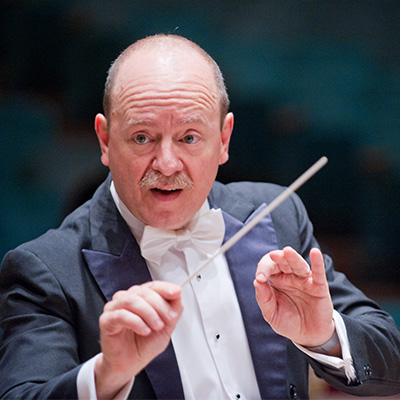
[(306, 79)]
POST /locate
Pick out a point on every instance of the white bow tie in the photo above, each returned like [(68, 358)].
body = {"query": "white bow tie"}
[(205, 233)]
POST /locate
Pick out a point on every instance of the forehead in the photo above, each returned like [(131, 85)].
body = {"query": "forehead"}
[(165, 60), (164, 75)]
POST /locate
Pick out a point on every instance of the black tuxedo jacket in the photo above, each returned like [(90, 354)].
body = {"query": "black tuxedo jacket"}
[(52, 292)]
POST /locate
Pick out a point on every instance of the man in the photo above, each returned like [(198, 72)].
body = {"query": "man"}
[(247, 326)]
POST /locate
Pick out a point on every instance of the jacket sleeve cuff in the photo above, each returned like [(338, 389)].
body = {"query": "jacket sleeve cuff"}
[(86, 384), (344, 363)]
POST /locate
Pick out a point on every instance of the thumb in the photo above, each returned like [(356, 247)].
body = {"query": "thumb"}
[(265, 299)]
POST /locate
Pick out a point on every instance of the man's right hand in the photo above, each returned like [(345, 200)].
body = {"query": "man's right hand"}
[(136, 326)]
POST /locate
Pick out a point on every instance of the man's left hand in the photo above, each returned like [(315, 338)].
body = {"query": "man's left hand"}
[(293, 299)]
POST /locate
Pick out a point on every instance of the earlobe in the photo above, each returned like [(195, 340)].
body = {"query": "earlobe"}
[(225, 138), (100, 125)]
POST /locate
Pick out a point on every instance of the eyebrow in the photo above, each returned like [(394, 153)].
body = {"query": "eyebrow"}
[(193, 120), (139, 122), (146, 122)]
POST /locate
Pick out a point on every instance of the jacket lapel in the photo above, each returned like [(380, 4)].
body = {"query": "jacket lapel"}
[(268, 349), (116, 264), (113, 273), (117, 272)]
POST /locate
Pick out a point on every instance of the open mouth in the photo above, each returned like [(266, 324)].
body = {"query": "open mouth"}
[(166, 191)]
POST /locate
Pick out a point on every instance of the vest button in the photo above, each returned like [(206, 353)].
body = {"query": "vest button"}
[(293, 392)]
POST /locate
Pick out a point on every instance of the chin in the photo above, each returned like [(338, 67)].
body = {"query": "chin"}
[(170, 223)]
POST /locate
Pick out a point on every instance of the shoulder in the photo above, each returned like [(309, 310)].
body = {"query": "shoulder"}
[(73, 234), (250, 195), (55, 243), (251, 191), (50, 260), (241, 198), (59, 249), (290, 218)]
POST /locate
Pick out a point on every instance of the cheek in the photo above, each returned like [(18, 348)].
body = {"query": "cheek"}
[(203, 170), (122, 159)]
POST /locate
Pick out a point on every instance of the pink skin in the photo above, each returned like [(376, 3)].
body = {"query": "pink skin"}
[(297, 308), (166, 118)]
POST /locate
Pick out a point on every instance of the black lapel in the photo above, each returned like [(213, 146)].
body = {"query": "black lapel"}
[(116, 264)]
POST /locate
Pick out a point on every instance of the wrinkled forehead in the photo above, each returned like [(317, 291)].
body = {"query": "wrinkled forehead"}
[(164, 71)]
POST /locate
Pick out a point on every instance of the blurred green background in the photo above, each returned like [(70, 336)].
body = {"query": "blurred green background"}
[(306, 79)]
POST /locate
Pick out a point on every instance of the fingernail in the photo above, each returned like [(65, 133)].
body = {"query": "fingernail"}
[(146, 331), (261, 278)]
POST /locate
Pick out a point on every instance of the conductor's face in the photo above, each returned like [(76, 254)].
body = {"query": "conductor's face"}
[(164, 141)]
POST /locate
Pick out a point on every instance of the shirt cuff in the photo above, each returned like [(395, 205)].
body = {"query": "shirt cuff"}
[(86, 384), (345, 362)]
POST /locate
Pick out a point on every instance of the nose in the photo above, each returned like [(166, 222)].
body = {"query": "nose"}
[(167, 160)]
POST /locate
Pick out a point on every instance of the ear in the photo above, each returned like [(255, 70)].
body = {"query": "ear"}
[(100, 125), (226, 133)]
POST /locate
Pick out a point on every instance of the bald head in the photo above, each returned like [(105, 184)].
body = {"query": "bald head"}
[(172, 46)]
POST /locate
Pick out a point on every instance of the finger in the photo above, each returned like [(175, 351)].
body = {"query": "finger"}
[(278, 256), (267, 267), (113, 322), (265, 299), (168, 300), (318, 266), (298, 264), (158, 293), (146, 300), (152, 311), (167, 290)]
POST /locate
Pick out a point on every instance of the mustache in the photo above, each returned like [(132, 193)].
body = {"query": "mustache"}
[(152, 179)]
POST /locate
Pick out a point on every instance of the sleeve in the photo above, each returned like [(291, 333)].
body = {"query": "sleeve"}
[(373, 336), (86, 383), (342, 366), (38, 348)]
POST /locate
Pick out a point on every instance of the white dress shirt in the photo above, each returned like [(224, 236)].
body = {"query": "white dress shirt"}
[(210, 327)]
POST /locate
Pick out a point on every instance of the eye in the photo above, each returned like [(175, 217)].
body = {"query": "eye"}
[(190, 139), (141, 138)]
